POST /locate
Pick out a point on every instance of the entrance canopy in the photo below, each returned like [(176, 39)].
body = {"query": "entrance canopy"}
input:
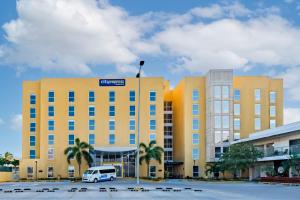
[(114, 149)]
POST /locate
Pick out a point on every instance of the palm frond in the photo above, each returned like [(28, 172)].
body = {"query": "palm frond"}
[(88, 158)]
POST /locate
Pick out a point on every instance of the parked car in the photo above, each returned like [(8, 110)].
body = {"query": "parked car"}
[(100, 173)]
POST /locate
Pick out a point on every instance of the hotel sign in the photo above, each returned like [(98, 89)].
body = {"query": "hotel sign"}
[(112, 82)]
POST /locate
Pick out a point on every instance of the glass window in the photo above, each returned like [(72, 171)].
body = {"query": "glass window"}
[(50, 139), (91, 139), (218, 136), (50, 125), (237, 95), (91, 124), (218, 152), (257, 124), (111, 96), (132, 95), (132, 138), (111, 138), (272, 123), (50, 172), (32, 140), (71, 139), (237, 109), (152, 137), (257, 109), (195, 138), (195, 109), (32, 113), (32, 154), (152, 110), (132, 125), (132, 110), (71, 171), (272, 111), (225, 136), (195, 124), (91, 111), (217, 107), (32, 99), (112, 125), (225, 106), (111, 111), (152, 96), (195, 155), (195, 95), (225, 92), (51, 96), (71, 111), (236, 136), (152, 124), (50, 153), (195, 171), (272, 97), (29, 172), (152, 171), (71, 125), (257, 94), (217, 121), (225, 121), (91, 96), (51, 111), (237, 124), (217, 92), (71, 96), (32, 126)]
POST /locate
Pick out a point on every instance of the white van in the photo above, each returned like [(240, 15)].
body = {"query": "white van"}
[(100, 173)]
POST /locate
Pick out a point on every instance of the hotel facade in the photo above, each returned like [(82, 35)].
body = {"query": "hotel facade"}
[(194, 122)]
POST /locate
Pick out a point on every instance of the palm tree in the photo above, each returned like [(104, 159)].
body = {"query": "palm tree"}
[(8, 156), (79, 150), (150, 152)]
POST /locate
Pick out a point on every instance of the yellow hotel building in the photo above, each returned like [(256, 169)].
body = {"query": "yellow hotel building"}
[(195, 122)]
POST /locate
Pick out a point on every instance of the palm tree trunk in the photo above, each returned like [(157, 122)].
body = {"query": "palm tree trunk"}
[(79, 169), (148, 171)]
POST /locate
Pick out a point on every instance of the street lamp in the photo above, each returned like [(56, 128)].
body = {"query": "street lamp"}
[(36, 174), (138, 138)]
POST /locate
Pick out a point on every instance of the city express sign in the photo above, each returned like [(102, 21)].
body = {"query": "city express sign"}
[(112, 82)]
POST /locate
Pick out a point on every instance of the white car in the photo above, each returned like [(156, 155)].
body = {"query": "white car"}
[(100, 173)]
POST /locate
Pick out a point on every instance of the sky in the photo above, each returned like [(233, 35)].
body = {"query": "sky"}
[(102, 38)]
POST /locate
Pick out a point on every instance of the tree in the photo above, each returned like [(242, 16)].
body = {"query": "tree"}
[(15, 162), (213, 168), (150, 152), (78, 151), (239, 156), (294, 163)]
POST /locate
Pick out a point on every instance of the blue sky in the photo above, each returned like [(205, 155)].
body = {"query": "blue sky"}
[(89, 38)]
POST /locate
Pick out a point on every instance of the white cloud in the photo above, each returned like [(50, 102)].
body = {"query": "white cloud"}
[(1, 121), (291, 82), (288, 1), (16, 122), (291, 115)]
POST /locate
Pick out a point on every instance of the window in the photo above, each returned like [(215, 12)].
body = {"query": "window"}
[(132, 125), (195, 95), (195, 171), (71, 125), (168, 143), (217, 107), (225, 106), (272, 123), (217, 92), (50, 153), (168, 118), (272, 111), (237, 109), (111, 111), (225, 92), (32, 113), (71, 111), (152, 110), (236, 95), (152, 96), (132, 95), (111, 138), (195, 124), (91, 124), (91, 111), (91, 139), (132, 138), (32, 99), (257, 109), (152, 171), (50, 139), (50, 125), (152, 137), (152, 124), (257, 94), (225, 121), (91, 96), (71, 171), (112, 125), (32, 154), (272, 97), (29, 172), (71, 96), (257, 125), (225, 136), (51, 111), (50, 172), (168, 106), (71, 140), (132, 110), (112, 96), (51, 96), (217, 121), (218, 137), (236, 124), (32, 126), (195, 109), (218, 152), (195, 138), (32, 140), (236, 136), (195, 155)]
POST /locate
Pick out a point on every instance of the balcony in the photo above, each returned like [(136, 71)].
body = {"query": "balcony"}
[(273, 153)]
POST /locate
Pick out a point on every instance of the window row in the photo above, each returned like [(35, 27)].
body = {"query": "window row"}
[(257, 95)]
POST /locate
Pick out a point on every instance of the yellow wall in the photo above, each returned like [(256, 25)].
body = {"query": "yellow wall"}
[(5, 176)]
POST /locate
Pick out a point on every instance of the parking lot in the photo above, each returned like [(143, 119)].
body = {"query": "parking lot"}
[(127, 189)]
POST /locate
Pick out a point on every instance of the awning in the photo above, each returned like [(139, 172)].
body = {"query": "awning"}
[(115, 149)]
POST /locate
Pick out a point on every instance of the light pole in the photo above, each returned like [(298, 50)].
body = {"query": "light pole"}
[(138, 138), (36, 178)]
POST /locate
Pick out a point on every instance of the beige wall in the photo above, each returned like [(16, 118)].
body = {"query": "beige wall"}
[(5, 176)]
